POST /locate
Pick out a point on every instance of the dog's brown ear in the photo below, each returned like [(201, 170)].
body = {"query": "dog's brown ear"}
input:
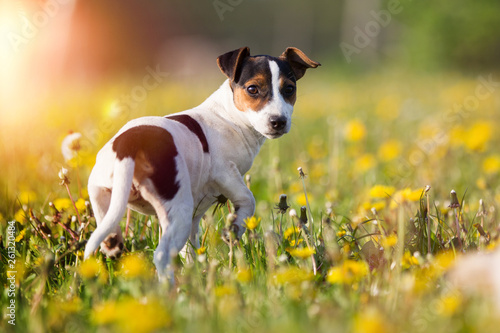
[(230, 62), (298, 61)]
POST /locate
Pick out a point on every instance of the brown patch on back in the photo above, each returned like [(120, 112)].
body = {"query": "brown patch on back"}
[(143, 169)]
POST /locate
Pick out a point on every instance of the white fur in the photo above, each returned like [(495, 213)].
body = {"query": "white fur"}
[(234, 138)]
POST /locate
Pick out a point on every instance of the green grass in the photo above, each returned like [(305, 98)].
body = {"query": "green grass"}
[(348, 136)]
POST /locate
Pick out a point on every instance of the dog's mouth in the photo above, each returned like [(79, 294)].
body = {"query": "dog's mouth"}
[(275, 134)]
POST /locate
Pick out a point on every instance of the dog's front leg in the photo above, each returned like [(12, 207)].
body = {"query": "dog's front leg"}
[(232, 186)]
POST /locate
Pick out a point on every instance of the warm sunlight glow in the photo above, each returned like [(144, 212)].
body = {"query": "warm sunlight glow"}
[(11, 15), (33, 42)]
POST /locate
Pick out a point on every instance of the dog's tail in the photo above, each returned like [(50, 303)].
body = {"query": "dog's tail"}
[(123, 174)]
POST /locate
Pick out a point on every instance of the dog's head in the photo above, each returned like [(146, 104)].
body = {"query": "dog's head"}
[(265, 87)]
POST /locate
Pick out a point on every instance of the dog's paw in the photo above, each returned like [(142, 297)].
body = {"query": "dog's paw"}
[(112, 246)]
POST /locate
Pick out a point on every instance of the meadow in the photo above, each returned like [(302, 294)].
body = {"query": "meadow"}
[(359, 239)]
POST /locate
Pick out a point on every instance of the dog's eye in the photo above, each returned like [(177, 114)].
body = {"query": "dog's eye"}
[(252, 90), (289, 90)]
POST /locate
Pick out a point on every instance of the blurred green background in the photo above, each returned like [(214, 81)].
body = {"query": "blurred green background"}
[(75, 41)]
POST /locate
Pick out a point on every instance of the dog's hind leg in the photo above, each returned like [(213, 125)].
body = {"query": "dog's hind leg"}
[(100, 197), (109, 208), (175, 218)]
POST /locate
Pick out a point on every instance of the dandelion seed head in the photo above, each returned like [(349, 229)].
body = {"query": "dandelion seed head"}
[(70, 146)]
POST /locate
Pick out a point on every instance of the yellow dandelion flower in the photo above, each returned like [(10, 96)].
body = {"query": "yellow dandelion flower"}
[(348, 272), (389, 241), (20, 216), (27, 197), (365, 206), (301, 252), (491, 164), (244, 275), (444, 260), (20, 236), (62, 203), (450, 304), (201, 250), (105, 313), (491, 246), (355, 130), (152, 313), (409, 260), (292, 275), (371, 321), (80, 205), (412, 195), (478, 135), (389, 150), (89, 268), (252, 222), (405, 195), (225, 290), (118, 313), (301, 199), (341, 233), (134, 266), (291, 233), (381, 191), (297, 242), (364, 163)]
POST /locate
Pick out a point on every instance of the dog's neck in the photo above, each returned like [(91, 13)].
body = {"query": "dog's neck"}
[(221, 102)]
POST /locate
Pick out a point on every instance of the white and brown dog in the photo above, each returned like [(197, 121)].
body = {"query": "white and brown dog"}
[(177, 166)]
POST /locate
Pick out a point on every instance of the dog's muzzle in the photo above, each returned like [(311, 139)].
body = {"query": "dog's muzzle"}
[(278, 123)]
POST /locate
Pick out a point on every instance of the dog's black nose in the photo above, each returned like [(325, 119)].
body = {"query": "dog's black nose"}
[(277, 122)]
